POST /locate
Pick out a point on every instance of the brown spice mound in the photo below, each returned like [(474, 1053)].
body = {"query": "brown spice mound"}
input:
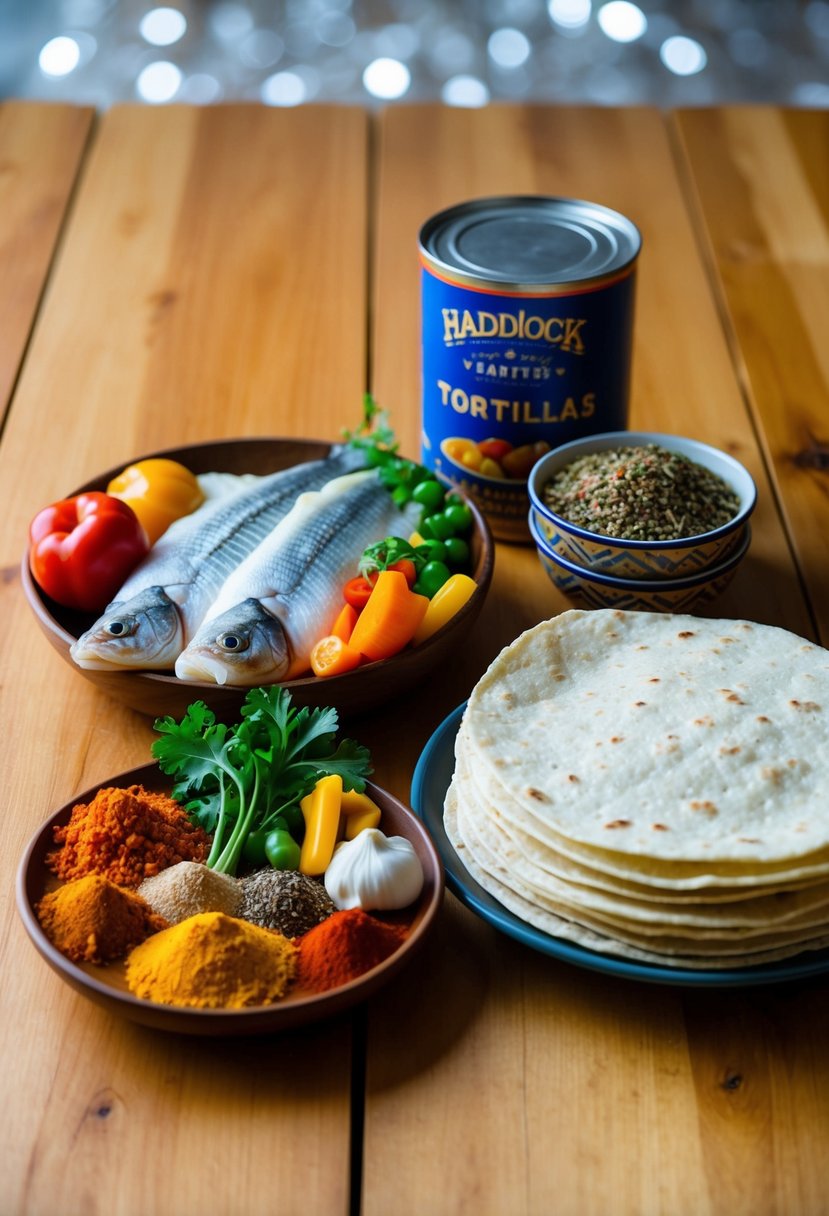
[(126, 835), (91, 920)]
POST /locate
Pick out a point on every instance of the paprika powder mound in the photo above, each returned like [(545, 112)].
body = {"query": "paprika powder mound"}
[(343, 947), (126, 835), (91, 920)]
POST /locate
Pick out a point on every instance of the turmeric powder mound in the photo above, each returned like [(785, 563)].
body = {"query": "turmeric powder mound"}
[(212, 961), (126, 835), (91, 920)]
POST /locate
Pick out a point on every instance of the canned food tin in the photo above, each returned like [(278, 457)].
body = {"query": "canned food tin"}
[(527, 314)]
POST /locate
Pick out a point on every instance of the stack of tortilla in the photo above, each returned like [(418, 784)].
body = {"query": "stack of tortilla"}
[(653, 787)]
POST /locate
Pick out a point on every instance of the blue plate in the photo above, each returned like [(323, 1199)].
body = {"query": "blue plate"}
[(429, 785)]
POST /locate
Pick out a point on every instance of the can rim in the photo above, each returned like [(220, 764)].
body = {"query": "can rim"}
[(442, 268)]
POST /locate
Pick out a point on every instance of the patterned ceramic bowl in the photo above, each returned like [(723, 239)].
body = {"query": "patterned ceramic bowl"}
[(595, 589), (642, 559)]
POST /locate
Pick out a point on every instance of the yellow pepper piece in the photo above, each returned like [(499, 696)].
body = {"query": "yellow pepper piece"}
[(159, 492), (321, 812), (415, 539), (443, 605), (359, 812)]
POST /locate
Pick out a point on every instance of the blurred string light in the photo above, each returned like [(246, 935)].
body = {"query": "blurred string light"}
[(465, 91), (59, 56), (569, 14), (159, 81), (622, 21), (284, 89), (508, 48), (683, 56), (163, 26), (387, 78)]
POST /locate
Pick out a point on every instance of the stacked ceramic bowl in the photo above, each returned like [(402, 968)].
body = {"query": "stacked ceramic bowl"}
[(656, 575)]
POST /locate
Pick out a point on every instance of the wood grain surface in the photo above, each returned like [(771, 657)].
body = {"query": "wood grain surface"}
[(211, 282), (528, 1086), (41, 147), (240, 271), (761, 180)]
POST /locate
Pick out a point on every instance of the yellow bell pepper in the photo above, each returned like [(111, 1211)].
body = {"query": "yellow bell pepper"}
[(443, 605), (159, 492), (359, 812), (321, 812)]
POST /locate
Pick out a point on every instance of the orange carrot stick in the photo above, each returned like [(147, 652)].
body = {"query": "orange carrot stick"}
[(389, 619)]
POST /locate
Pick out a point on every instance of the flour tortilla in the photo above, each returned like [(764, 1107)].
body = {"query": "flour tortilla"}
[(607, 870), (652, 786), (605, 723), (577, 934), (755, 912)]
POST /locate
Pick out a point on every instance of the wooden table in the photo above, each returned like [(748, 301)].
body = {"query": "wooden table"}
[(174, 274)]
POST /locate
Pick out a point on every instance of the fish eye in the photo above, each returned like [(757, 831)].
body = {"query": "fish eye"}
[(232, 642), (120, 627)]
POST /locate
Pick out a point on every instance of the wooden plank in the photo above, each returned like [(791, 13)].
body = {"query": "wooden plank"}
[(41, 148), (761, 182), (497, 1079), (198, 293)]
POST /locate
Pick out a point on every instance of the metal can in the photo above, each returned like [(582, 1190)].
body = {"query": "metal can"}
[(527, 315)]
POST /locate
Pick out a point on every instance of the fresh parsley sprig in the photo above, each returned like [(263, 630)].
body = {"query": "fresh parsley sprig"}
[(236, 780)]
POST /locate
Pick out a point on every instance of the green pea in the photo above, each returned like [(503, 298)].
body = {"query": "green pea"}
[(457, 551), (431, 578), (459, 516), (281, 850), (429, 494), (432, 550), (437, 526)]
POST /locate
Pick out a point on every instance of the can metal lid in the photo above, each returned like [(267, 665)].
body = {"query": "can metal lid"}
[(529, 242)]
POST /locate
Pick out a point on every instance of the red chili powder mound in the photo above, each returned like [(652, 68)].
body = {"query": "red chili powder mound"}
[(343, 946), (126, 835)]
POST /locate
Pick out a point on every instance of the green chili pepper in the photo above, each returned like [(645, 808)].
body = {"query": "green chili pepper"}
[(253, 851), (281, 850)]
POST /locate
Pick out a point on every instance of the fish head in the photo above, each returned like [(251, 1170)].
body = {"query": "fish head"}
[(143, 632), (242, 647)]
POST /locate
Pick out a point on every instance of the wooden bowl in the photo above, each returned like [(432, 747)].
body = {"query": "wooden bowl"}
[(157, 693), (106, 985)]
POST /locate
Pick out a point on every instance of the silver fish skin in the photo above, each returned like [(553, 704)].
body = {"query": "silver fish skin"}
[(285, 596), (164, 600)]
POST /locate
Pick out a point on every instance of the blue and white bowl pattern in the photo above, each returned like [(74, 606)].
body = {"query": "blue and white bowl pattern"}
[(642, 559), (595, 589)]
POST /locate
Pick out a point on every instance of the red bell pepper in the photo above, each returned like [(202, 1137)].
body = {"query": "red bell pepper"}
[(82, 549)]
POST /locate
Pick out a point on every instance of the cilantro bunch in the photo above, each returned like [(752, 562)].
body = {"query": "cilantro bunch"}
[(235, 780)]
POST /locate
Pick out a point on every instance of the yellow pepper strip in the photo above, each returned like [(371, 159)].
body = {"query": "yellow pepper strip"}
[(415, 539), (159, 492), (359, 812), (443, 605), (321, 812)]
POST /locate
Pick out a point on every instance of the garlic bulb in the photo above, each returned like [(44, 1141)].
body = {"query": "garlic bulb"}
[(374, 872)]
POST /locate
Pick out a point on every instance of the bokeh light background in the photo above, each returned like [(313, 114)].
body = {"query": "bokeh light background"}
[(465, 53)]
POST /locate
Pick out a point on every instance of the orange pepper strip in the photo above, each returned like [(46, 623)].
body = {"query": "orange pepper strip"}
[(345, 622), (332, 656), (390, 618)]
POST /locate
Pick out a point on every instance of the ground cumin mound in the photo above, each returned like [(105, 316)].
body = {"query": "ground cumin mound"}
[(91, 920), (126, 835)]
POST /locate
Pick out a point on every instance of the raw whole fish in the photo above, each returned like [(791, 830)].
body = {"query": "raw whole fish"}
[(284, 597), (165, 599)]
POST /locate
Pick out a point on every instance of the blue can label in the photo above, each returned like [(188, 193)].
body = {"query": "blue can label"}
[(506, 377)]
